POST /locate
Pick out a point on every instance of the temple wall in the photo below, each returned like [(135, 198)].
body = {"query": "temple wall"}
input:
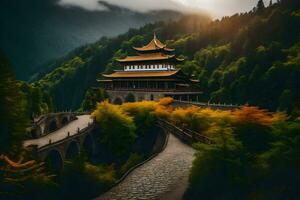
[(139, 96)]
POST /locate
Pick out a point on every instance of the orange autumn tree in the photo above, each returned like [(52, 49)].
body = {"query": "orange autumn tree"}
[(253, 127)]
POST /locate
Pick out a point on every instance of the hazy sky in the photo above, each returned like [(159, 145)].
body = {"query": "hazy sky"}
[(216, 8)]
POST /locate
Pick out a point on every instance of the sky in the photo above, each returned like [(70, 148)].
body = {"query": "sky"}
[(216, 8)]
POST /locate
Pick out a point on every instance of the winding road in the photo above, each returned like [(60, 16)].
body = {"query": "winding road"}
[(163, 177)]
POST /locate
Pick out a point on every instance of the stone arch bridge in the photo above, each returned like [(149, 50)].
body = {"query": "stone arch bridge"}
[(61, 136), (51, 122)]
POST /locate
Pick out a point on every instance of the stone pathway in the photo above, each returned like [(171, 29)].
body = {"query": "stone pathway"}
[(163, 177)]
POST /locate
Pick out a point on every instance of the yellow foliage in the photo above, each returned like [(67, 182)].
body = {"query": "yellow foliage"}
[(182, 116), (18, 164), (279, 117), (136, 107), (163, 111), (105, 109), (166, 101), (104, 174), (202, 120), (253, 115)]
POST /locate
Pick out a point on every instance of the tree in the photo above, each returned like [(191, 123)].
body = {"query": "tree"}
[(13, 121), (117, 128), (286, 100), (117, 101), (271, 3), (130, 98), (260, 6), (91, 98)]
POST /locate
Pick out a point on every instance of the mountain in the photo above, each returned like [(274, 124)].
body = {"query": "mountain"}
[(246, 58), (35, 32)]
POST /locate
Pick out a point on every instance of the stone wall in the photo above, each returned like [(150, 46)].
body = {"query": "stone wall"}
[(139, 95)]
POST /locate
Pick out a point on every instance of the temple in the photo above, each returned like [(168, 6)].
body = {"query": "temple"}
[(150, 75)]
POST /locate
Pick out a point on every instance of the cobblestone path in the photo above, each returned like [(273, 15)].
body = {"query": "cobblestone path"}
[(163, 177)]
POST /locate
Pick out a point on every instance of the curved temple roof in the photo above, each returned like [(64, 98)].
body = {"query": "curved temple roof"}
[(148, 57), (153, 45)]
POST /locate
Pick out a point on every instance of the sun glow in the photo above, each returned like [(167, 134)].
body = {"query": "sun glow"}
[(202, 4), (219, 8)]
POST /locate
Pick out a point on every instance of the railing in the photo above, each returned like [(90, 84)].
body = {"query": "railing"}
[(79, 132), (43, 116), (151, 89), (208, 104), (186, 135)]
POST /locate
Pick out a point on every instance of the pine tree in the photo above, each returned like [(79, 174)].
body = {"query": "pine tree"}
[(12, 108), (260, 6), (271, 3)]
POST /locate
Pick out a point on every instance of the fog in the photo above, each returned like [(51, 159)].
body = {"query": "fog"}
[(216, 8)]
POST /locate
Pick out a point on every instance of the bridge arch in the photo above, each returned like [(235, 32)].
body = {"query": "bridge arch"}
[(53, 126), (72, 150), (54, 161), (64, 120), (88, 145)]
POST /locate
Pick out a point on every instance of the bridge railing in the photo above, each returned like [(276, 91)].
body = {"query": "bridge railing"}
[(68, 136), (185, 134), (43, 116)]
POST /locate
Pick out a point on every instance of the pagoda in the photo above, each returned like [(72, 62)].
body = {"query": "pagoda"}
[(150, 75)]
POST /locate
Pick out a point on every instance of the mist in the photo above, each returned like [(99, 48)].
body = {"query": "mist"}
[(216, 8)]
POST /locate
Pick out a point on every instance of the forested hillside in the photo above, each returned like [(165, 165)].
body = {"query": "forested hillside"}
[(78, 72), (246, 58)]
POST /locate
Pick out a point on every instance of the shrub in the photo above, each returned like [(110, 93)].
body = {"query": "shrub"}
[(142, 113), (117, 101), (164, 109), (255, 155), (81, 180), (217, 169), (280, 164), (130, 98), (117, 128)]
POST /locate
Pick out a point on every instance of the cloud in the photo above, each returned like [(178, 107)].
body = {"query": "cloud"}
[(92, 5), (137, 5), (217, 8)]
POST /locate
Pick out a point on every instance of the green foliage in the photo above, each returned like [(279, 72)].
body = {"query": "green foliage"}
[(143, 115), (38, 102), (81, 180), (255, 155), (117, 101), (117, 128), (246, 58), (67, 74), (93, 96), (216, 172), (279, 165), (130, 98), (13, 121)]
